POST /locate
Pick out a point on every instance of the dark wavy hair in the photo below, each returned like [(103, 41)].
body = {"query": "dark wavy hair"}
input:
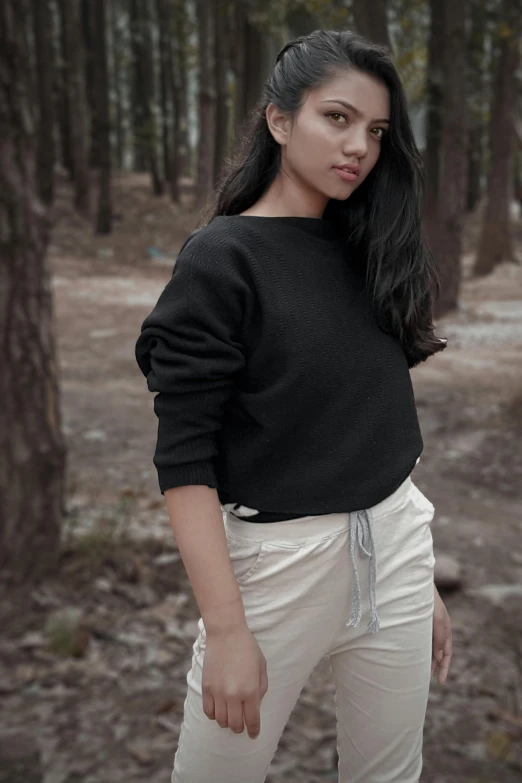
[(382, 220)]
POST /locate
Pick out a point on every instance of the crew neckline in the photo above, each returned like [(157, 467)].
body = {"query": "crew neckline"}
[(316, 226)]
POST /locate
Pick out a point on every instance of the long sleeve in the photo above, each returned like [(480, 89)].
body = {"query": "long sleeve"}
[(190, 350)]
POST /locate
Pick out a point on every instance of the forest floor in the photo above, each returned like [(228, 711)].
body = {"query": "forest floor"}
[(113, 712)]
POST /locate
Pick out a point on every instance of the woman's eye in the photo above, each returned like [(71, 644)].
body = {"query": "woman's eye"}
[(381, 132), (336, 114)]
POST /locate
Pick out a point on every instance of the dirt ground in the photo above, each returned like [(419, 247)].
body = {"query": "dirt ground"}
[(112, 711)]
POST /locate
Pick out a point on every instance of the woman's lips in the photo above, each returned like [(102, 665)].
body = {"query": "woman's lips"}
[(348, 176)]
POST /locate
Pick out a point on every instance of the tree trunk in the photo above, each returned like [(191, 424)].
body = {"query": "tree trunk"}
[(32, 59), (180, 139), (240, 109), (32, 451), (517, 177), (207, 103), (222, 103), (164, 24), (476, 100), (45, 76), (251, 66), (138, 97), (495, 244), (447, 241), (177, 70), (71, 20), (174, 79), (62, 102), (115, 78), (434, 93), (89, 48), (146, 154), (371, 20), (102, 127)]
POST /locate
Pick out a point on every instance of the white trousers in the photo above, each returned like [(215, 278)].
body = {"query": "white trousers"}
[(308, 586)]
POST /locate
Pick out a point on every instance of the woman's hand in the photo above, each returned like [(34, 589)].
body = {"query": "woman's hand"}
[(442, 644), (234, 680)]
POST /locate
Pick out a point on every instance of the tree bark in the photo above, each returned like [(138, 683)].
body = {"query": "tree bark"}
[(371, 20), (115, 78), (62, 102), (495, 244), (477, 91), (181, 166), (447, 239), (146, 154), (207, 103), (222, 102), (164, 24), (45, 80), (176, 154), (71, 20), (174, 81), (32, 451), (89, 48), (138, 97), (240, 108), (251, 65), (102, 128), (434, 93)]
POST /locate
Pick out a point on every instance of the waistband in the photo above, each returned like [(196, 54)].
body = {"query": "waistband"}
[(308, 529)]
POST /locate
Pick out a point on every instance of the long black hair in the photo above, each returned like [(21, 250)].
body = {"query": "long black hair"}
[(381, 220)]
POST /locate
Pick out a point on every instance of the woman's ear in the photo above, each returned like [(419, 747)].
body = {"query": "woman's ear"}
[(278, 123)]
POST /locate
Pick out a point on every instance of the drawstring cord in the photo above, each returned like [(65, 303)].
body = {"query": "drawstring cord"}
[(360, 529)]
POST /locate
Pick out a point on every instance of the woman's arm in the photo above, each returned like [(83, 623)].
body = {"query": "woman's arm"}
[(191, 351), (234, 678), (197, 522)]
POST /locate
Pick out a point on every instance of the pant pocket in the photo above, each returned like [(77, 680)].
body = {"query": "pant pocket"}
[(427, 511), (245, 556), (422, 502), (270, 564)]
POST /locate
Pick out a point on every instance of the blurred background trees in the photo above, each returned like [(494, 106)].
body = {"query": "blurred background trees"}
[(166, 87), (91, 88)]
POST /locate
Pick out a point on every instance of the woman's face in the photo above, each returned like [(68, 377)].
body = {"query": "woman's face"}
[(339, 124)]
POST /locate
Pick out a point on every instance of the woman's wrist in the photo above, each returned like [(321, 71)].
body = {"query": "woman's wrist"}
[(225, 617)]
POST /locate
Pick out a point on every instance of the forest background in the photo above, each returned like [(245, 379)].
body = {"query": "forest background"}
[(116, 120)]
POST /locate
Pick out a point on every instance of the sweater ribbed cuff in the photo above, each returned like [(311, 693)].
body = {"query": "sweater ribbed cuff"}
[(182, 475)]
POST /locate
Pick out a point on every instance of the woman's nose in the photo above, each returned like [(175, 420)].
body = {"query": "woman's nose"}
[(356, 143)]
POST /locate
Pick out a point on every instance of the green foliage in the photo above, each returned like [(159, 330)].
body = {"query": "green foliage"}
[(409, 22), (328, 14), (409, 29), (105, 535), (65, 634), (273, 16)]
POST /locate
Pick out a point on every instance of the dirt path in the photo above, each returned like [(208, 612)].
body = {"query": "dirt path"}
[(114, 714)]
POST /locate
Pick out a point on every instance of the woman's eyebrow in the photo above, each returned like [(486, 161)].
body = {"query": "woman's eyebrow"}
[(349, 106)]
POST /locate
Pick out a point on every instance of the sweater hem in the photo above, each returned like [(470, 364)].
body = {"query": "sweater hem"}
[(190, 474)]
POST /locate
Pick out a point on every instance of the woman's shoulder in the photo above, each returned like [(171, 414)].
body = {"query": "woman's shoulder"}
[(219, 250), (220, 243), (223, 232)]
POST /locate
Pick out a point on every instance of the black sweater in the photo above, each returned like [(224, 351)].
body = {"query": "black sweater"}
[(275, 384)]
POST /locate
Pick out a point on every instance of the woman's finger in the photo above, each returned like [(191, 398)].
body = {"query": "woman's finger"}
[(437, 657), (252, 714), (235, 715), (446, 660), (221, 713), (209, 706)]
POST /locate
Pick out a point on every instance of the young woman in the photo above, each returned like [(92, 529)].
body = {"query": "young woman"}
[(280, 350)]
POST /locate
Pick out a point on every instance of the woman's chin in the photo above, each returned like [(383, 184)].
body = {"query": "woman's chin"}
[(340, 194), (343, 191)]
